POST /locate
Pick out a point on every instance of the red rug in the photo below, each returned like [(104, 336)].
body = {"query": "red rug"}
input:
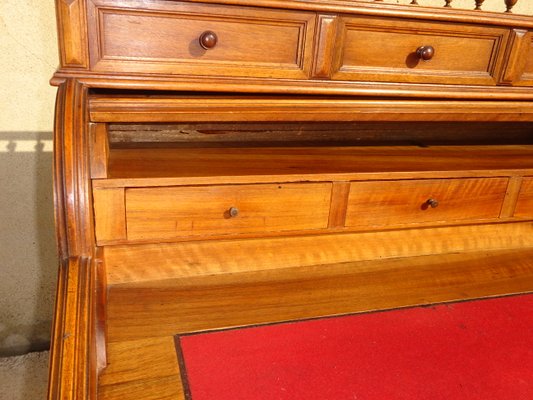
[(471, 350)]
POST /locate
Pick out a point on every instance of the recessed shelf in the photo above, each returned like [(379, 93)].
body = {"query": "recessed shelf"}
[(175, 166)]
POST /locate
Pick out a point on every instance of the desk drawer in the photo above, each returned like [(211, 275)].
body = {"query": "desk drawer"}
[(379, 49), (398, 203), (168, 212), (199, 39)]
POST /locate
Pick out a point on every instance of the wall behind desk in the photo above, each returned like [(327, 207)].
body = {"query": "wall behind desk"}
[(28, 263)]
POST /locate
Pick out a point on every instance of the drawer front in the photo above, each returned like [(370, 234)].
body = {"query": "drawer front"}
[(390, 50), (524, 206), (162, 213), (398, 203), (164, 37)]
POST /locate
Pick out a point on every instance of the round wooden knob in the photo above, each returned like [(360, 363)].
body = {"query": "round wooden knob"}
[(233, 212), (208, 40), (432, 203), (425, 53)]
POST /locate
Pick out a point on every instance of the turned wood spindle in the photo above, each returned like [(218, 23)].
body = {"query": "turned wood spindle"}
[(415, 2), (448, 3), (510, 4), (478, 4)]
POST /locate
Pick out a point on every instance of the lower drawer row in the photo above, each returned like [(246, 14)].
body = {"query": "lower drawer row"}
[(161, 213)]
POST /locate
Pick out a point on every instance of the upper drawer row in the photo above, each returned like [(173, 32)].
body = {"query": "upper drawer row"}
[(213, 40)]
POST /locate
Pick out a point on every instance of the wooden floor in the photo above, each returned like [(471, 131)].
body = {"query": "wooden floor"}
[(144, 316)]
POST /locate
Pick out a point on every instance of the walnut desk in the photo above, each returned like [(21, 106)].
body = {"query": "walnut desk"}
[(232, 162)]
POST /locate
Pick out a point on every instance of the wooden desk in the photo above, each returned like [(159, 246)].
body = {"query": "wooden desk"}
[(234, 162)]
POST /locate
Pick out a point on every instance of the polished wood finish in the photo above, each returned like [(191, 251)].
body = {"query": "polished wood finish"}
[(524, 205), (403, 203), (73, 360), (327, 32), (159, 309), (520, 60), (221, 163), (147, 368), (71, 16), (339, 204), (74, 219), (167, 109), (511, 197), (99, 150), (378, 49), (142, 369), (169, 38), (174, 166), (157, 262), (160, 213), (75, 345), (110, 214), (84, 34)]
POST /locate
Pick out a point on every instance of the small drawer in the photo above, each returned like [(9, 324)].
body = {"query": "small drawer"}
[(168, 212), (397, 203), (170, 37), (391, 50), (524, 205)]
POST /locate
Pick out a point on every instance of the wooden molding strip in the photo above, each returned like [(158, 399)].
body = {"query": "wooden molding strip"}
[(235, 109), (317, 87), (72, 363)]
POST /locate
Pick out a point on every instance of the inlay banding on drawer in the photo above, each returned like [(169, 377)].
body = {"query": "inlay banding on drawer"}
[(399, 203), (168, 212)]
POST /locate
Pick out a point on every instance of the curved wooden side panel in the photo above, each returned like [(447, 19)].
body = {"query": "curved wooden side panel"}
[(72, 191), (74, 361)]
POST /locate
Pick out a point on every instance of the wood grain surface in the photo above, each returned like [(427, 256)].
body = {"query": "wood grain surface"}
[(143, 310), (524, 206), (139, 64), (190, 165), (378, 49), (141, 369), (130, 263), (164, 109), (205, 210), (163, 38), (398, 203)]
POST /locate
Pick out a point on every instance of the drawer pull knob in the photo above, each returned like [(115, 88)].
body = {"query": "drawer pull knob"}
[(432, 203), (208, 40), (233, 212), (425, 53)]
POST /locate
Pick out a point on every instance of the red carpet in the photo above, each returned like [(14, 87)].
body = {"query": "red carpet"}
[(471, 350)]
